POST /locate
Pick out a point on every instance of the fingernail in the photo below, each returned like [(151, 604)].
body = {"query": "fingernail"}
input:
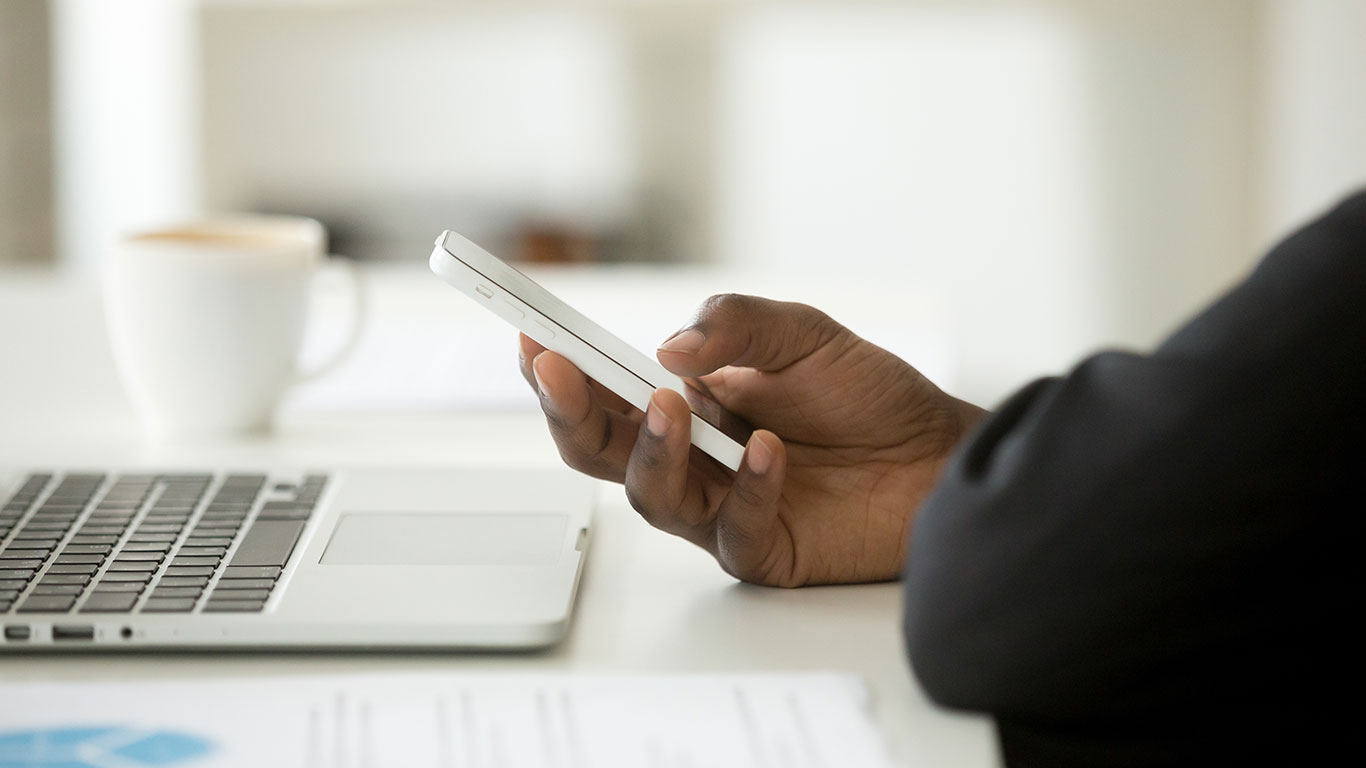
[(687, 342), (540, 382), (759, 457), (656, 421)]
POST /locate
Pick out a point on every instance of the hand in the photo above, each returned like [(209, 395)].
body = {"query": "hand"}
[(864, 436)]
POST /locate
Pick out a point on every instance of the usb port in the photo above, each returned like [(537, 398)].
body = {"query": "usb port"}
[(73, 632), (17, 632)]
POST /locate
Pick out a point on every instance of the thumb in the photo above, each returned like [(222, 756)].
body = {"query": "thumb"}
[(732, 329)]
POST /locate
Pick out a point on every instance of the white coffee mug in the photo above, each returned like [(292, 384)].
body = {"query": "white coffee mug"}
[(207, 319)]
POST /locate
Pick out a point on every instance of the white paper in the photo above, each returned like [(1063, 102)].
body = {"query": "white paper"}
[(452, 721)]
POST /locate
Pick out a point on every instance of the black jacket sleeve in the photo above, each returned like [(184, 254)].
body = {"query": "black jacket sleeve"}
[(1155, 559)]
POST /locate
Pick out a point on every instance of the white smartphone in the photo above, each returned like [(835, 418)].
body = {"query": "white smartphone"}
[(600, 355)]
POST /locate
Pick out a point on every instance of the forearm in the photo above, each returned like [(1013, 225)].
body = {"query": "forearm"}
[(1127, 540)]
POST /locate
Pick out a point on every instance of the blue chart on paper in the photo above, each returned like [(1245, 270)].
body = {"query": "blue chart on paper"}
[(100, 747)]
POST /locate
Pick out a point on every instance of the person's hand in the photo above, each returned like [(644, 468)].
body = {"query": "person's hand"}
[(863, 437)]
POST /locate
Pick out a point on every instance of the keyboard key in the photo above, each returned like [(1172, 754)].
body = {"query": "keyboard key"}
[(152, 537), (130, 557), (7, 585), (178, 519), (44, 588), (161, 592), (189, 551), (174, 605), (251, 572), (194, 561), (65, 559), (139, 576), (23, 564), (84, 539), (234, 584), (179, 571), (9, 595), (85, 568), (209, 541), (25, 574), (121, 566), (109, 519), (66, 578), (110, 602), (239, 594), (98, 549), (24, 540), (47, 604), (234, 606), (205, 525), (268, 543), (47, 526), (104, 585), (159, 528), (185, 581), (147, 546), (15, 554)]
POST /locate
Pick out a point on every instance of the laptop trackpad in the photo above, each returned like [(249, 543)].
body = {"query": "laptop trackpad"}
[(446, 539)]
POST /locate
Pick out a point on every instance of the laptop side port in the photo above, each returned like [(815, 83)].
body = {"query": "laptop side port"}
[(73, 632), (17, 632)]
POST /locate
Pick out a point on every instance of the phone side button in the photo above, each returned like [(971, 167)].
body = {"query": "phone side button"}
[(513, 310), (549, 332), (484, 291)]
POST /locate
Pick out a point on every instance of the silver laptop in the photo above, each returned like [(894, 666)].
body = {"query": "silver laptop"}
[(471, 558)]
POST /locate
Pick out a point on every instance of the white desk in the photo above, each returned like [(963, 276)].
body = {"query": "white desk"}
[(649, 602)]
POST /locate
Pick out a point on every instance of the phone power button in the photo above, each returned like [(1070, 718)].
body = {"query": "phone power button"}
[(484, 291)]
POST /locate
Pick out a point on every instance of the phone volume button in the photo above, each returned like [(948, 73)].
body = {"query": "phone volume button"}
[(549, 332), (484, 291), (513, 310)]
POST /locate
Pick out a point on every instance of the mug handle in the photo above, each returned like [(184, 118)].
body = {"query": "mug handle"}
[(358, 311)]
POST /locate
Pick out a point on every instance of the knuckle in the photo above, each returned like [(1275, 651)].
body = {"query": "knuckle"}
[(604, 438), (725, 304), (558, 426), (748, 495), (649, 456), (575, 460), (640, 504), (580, 446)]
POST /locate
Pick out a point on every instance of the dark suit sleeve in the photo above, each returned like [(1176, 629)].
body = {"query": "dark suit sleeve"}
[(1155, 559)]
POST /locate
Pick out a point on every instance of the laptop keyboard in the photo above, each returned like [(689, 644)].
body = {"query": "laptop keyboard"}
[(149, 543)]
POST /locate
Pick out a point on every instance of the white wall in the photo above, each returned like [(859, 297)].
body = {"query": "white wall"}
[(1315, 107), (1064, 176), (1061, 174), (125, 90), (416, 119)]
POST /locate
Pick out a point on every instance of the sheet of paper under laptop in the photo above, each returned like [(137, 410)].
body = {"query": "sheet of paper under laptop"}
[(451, 721)]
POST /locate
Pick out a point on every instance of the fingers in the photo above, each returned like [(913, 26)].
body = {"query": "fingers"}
[(592, 438), (657, 477), (743, 530), (528, 349), (748, 531), (731, 329)]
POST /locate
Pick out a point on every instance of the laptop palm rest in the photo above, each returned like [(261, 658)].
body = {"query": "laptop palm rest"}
[(407, 539)]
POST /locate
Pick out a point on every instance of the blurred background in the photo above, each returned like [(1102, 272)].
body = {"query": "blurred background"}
[(1048, 176)]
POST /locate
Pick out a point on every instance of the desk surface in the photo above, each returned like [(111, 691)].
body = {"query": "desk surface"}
[(649, 602)]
